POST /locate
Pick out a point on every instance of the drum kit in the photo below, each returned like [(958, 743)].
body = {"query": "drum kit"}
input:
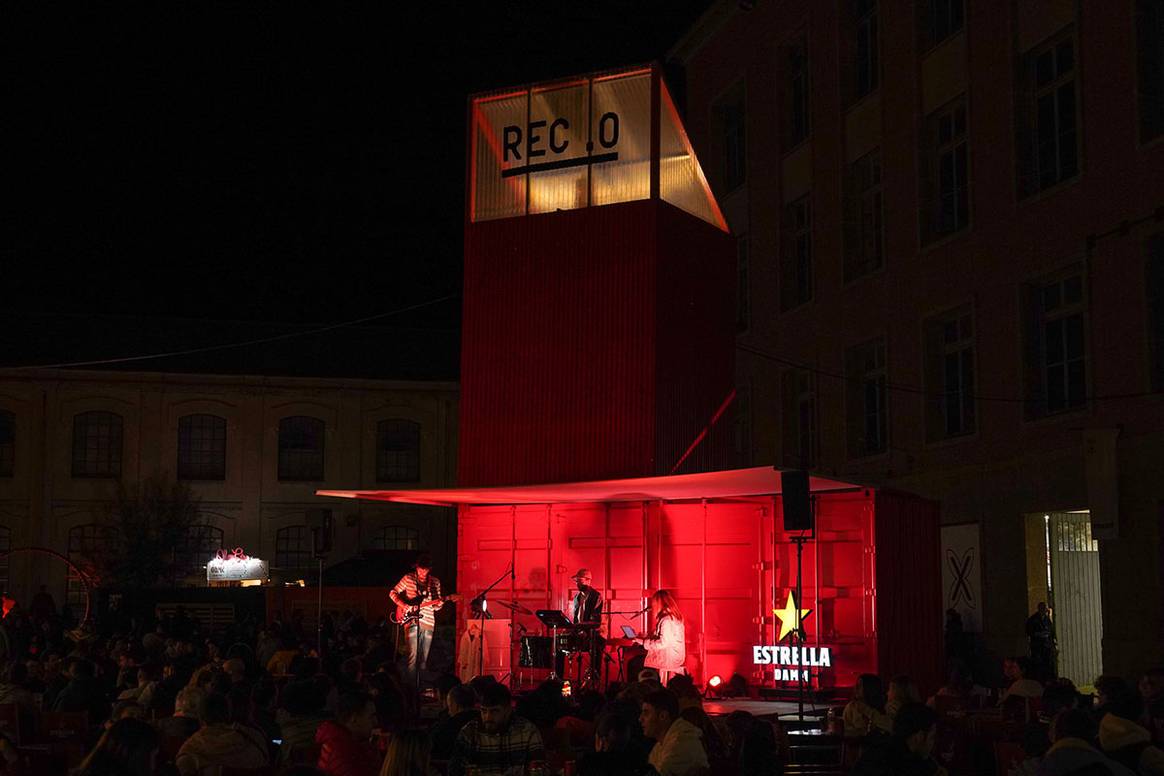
[(567, 641)]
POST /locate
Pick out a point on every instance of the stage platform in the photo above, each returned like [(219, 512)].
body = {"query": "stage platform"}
[(759, 708)]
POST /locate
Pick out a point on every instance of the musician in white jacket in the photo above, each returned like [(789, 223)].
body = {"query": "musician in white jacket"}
[(666, 646)]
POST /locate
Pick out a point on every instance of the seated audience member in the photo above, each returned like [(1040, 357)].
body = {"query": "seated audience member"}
[(83, 692), (443, 684), (344, 747), (544, 706), (143, 690), (1071, 733), (184, 723), (13, 686), (1122, 738), (865, 713), (1035, 745), (908, 752), (958, 686), (902, 690), (500, 740), (614, 753), (1016, 670), (1152, 692), (219, 742), (460, 708), (1058, 696), (408, 755), (300, 718), (759, 751), (128, 748), (678, 748)]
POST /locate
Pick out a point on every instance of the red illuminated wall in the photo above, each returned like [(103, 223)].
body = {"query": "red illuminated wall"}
[(730, 563), (596, 344)]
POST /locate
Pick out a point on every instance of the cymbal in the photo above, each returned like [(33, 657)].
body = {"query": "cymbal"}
[(513, 606)]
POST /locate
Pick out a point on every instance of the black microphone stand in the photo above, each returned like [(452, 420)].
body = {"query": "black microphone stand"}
[(481, 603)]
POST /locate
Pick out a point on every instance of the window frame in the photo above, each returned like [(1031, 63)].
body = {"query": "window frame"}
[(936, 149), (213, 450), (731, 104), (931, 36), (7, 446), (194, 551), (284, 552), (797, 84), (1143, 116), (866, 29), (107, 459), (865, 209), (78, 548), (937, 348), (743, 284), (411, 538), (285, 451), (796, 270), (859, 379), (383, 468)]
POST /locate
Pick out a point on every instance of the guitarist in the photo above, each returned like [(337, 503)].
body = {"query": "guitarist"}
[(413, 589)]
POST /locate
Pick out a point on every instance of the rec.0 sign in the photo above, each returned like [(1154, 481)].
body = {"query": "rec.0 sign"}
[(537, 139), (235, 566)]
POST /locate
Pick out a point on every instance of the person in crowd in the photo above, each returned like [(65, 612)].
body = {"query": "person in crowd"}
[(865, 713), (461, 709), (408, 755), (344, 748), (1017, 671), (83, 692), (1040, 630), (1058, 696), (545, 705), (1072, 733), (666, 646), (902, 690), (128, 748), (691, 709), (499, 740), (143, 689), (219, 742), (759, 751), (239, 689), (909, 751), (1121, 737), (678, 748), (300, 718), (1152, 692), (614, 753), (14, 686), (184, 723)]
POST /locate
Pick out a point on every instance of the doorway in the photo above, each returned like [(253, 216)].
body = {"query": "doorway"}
[(1063, 570)]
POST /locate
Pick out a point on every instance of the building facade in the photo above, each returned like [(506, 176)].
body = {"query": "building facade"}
[(253, 449), (950, 225)]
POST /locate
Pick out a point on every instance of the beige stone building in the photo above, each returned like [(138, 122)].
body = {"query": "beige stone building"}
[(254, 449)]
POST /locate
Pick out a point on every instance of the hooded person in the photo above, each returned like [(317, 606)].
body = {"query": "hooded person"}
[(678, 748)]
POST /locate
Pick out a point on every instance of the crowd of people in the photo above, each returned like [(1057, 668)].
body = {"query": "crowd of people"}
[(162, 696)]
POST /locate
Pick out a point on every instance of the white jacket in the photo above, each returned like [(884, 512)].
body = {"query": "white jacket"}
[(681, 750), (667, 649)]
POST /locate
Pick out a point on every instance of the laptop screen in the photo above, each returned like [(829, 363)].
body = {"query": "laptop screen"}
[(628, 631)]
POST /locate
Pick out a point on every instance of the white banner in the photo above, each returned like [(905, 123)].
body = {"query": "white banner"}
[(962, 573), (236, 569)]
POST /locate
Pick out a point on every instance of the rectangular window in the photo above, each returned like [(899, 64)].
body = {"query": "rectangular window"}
[(201, 447), (864, 243), (945, 173), (796, 100), (1150, 67), (940, 20), (743, 307), (1048, 142), (729, 115), (1155, 287), (7, 443), (949, 368), (1056, 353), (397, 451), (868, 64), (293, 549), (867, 400), (796, 261), (799, 405), (97, 444)]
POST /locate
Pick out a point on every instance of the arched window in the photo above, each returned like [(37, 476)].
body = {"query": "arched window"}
[(201, 447), (397, 537), (97, 444), (397, 451), (192, 552), (301, 448), (87, 543), (5, 546), (7, 443), (293, 549)]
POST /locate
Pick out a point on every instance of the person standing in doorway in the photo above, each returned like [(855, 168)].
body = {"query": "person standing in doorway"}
[(1041, 636), (417, 597)]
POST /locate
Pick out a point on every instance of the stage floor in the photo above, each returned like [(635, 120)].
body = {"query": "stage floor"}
[(759, 708)]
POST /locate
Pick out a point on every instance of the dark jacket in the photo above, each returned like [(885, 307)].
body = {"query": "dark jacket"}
[(82, 694), (444, 733), (621, 763)]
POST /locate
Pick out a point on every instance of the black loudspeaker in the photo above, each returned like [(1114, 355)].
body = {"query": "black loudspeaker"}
[(797, 505), (322, 526)]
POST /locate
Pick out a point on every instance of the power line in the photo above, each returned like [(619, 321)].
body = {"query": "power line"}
[(231, 345), (913, 389)]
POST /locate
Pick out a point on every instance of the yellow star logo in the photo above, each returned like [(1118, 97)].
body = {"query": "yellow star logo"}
[(787, 616)]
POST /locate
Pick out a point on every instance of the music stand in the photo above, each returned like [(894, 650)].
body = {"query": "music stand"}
[(553, 619)]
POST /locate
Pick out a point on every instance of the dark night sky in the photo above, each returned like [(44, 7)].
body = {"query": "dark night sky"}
[(262, 161)]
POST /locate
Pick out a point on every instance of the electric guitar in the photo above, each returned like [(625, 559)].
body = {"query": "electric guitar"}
[(411, 612)]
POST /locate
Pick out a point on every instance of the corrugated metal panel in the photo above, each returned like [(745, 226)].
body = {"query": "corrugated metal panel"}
[(584, 333), (1075, 596)]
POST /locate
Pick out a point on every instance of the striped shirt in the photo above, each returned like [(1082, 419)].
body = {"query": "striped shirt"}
[(411, 588), (516, 746)]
